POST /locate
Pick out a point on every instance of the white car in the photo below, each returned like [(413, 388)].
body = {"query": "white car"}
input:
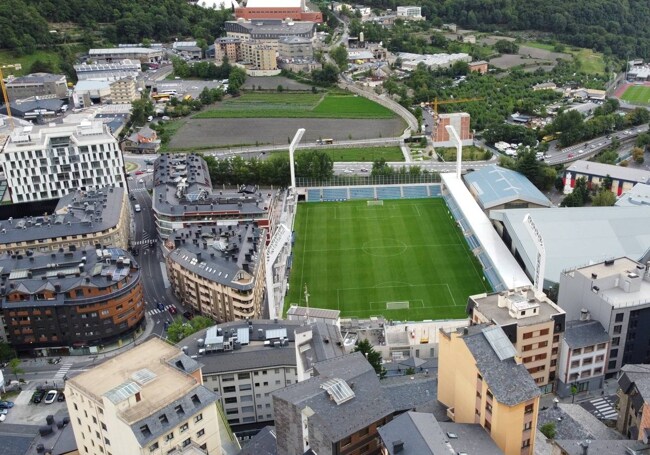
[(3, 417), (50, 397), (137, 208)]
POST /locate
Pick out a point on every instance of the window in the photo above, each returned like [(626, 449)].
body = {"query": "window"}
[(346, 441), (488, 408), (619, 317), (528, 425), (198, 418), (543, 332), (529, 408), (169, 437), (243, 375), (615, 341), (617, 328), (528, 335), (232, 411), (543, 344), (200, 433), (245, 387), (229, 389), (231, 400), (601, 346), (525, 443), (104, 427), (589, 349), (179, 410), (187, 442), (184, 427), (163, 419), (528, 347), (195, 400), (108, 443), (575, 364), (613, 353), (576, 351)]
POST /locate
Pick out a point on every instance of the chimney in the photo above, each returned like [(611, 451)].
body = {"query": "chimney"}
[(584, 314), (555, 402), (585, 446), (198, 257), (398, 446)]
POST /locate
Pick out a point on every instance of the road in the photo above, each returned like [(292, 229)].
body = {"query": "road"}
[(363, 168), (589, 148)]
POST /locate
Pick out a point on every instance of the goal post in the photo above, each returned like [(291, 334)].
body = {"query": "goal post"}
[(373, 203)]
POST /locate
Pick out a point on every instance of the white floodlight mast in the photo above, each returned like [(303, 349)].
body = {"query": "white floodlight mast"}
[(292, 149), (459, 147), (540, 263)]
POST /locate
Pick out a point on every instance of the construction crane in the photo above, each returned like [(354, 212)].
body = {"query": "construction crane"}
[(437, 102), (6, 99)]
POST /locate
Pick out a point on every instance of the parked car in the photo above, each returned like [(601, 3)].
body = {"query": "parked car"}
[(61, 397), (2, 417), (139, 172), (38, 396), (172, 309), (188, 315), (4, 411), (6, 404), (51, 396)]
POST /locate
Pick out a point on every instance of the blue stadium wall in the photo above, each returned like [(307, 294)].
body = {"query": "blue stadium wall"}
[(369, 193)]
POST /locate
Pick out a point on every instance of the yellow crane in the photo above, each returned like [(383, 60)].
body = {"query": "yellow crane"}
[(437, 102), (6, 99)]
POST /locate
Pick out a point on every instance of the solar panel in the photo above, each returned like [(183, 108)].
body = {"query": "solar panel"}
[(499, 342), (143, 376), (122, 392), (338, 390), (18, 274), (276, 333), (243, 336)]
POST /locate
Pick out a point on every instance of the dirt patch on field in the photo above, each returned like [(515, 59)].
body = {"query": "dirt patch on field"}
[(531, 57), (226, 132)]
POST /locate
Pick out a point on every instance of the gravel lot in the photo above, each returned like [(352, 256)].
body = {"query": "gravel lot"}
[(226, 132)]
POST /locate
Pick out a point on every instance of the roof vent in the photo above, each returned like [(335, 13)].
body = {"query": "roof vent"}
[(398, 446)]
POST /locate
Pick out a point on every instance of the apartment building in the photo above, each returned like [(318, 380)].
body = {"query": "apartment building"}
[(219, 271), (124, 91), (461, 123), (269, 31), (258, 56), (183, 196), (583, 357), (56, 303), (245, 361), (634, 402), (47, 162), (337, 411), (149, 400), (81, 219), (37, 84), (615, 293), (481, 380), (532, 323), (295, 47), (227, 47)]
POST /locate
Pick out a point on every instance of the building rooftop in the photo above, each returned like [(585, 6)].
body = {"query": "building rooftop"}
[(155, 370), (263, 443), (91, 85), (325, 343), (61, 272), (35, 78), (505, 308), (494, 186), (226, 256), (509, 381), (615, 172), (412, 392), (271, 27), (274, 4), (637, 196), (28, 105), (182, 187), (38, 136), (570, 233), (293, 40), (637, 375), (609, 447), (340, 418), (77, 213), (320, 313), (123, 50), (433, 59), (579, 334)]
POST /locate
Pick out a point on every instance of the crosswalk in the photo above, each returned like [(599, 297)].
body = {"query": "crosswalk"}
[(144, 242), (605, 409), (63, 371), (138, 189), (158, 311)]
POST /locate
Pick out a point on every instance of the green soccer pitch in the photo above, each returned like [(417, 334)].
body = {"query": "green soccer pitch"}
[(405, 260), (637, 94)]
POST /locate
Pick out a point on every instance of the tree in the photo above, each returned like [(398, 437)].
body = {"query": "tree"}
[(409, 371), (140, 111), (604, 198), (40, 66), (178, 329), (340, 56), (637, 155), (14, 367), (579, 196), (236, 79), (6, 352), (314, 164), (549, 430), (373, 357), (506, 47), (381, 167)]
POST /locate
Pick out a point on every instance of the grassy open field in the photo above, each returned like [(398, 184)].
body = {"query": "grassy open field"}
[(297, 105), (353, 154), (589, 62), (637, 94), (405, 259), (7, 58)]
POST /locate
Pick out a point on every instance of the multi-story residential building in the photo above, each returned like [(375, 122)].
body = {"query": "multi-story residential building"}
[(60, 302), (337, 411), (258, 56), (219, 271), (295, 47), (227, 47), (117, 54), (583, 357), (616, 293), (245, 361), (461, 123), (123, 91), (619, 179), (634, 401), (149, 400), (37, 84), (481, 380), (81, 219), (46, 162), (532, 323), (108, 71), (183, 196), (410, 12), (269, 31), (278, 9)]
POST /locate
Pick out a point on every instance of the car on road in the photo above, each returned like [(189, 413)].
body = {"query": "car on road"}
[(6, 404), (188, 315), (172, 309), (160, 306), (148, 162), (570, 155), (139, 172), (137, 208), (132, 196), (50, 397), (38, 396), (363, 169)]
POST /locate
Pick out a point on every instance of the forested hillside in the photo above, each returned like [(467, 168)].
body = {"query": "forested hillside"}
[(618, 27), (24, 23)]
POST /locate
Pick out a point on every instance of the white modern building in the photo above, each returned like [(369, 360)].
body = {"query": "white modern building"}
[(47, 162), (411, 12)]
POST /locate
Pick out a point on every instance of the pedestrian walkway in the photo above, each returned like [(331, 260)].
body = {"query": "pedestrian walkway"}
[(138, 189), (158, 311), (63, 371), (144, 242), (604, 408)]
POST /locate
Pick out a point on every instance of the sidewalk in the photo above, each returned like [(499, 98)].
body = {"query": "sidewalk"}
[(611, 388)]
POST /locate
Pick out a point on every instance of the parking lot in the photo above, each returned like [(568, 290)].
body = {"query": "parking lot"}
[(25, 411)]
